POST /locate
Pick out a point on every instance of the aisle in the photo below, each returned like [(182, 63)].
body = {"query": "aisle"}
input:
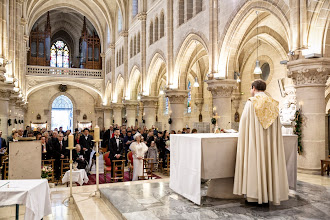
[(101, 165)]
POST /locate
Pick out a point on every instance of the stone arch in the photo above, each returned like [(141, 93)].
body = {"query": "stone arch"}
[(237, 30), (88, 88), (157, 70), (119, 89), (193, 49), (133, 83), (318, 28), (36, 11)]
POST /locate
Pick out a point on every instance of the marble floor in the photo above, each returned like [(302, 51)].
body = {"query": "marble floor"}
[(158, 201), (90, 207)]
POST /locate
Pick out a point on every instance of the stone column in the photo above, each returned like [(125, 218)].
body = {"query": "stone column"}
[(107, 117), (309, 77), (177, 99), (221, 94), (149, 106), (117, 113), (142, 16), (131, 107)]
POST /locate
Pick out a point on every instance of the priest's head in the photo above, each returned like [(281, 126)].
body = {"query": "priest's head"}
[(258, 86)]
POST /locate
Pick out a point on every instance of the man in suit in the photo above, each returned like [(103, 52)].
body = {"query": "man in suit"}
[(86, 143), (59, 152), (107, 136), (3, 147), (45, 149), (116, 147)]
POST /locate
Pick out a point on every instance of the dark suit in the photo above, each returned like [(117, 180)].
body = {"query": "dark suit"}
[(106, 137), (114, 149), (88, 144), (149, 139), (3, 145), (48, 154), (58, 149)]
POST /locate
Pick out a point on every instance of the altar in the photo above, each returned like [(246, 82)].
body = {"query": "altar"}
[(213, 156)]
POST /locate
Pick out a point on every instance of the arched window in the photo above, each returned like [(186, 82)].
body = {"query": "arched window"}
[(181, 12), (162, 25), (122, 55), (138, 43), (135, 7), (59, 55), (151, 33), (108, 35), (120, 21), (62, 112), (190, 9), (189, 98), (131, 48), (117, 60), (199, 6), (156, 29), (134, 45), (166, 106)]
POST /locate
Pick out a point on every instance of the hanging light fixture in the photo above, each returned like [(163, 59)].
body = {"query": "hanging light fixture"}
[(161, 91), (196, 84), (257, 69)]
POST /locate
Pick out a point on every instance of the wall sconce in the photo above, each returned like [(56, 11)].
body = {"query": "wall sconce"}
[(196, 84), (236, 76)]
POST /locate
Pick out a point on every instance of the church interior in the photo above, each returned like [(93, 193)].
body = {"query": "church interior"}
[(167, 66)]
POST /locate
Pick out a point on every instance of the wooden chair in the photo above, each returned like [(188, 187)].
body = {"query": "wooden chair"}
[(50, 163), (65, 166), (5, 167), (147, 169), (118, 167), (166, 170), (325, 166), (130, 164), (107, 165)]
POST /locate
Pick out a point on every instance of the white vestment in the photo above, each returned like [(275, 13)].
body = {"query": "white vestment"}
[(260, 172), (138, 150)]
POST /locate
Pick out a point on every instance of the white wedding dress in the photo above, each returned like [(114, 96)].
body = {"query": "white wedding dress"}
[(138, 150)]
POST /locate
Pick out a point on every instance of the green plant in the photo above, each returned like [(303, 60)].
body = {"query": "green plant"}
[(297, 130)]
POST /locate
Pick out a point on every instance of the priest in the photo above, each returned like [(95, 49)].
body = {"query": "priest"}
[(260, 172)]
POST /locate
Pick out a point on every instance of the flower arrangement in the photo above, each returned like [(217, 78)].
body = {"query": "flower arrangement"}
[(45, 171), (298, 131)]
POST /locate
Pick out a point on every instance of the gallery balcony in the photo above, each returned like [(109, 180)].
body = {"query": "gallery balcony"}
[(63, 72)]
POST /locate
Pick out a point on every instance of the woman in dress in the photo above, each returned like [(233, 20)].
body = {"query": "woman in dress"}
[(138, 149)]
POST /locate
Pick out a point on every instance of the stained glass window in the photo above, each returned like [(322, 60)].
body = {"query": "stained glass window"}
[(62, 113), (59, 55), (189, 98), (166, 105), (120, 21)]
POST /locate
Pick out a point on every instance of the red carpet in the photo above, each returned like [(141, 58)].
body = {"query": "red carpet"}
[(92, 178)]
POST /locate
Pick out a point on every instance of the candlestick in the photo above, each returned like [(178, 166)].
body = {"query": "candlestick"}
[(97, 134), (70, 147)]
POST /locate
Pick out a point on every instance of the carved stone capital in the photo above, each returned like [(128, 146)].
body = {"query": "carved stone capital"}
[(130, 104), (177, 96), (236, 98), (306, 72), (112, 46), (149, 101), (5, 94), (116, 106), (221, 88), (124, 33), (142, 16)]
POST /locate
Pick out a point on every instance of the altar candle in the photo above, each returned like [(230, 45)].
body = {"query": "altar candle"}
[(70, 140), (97, 133)]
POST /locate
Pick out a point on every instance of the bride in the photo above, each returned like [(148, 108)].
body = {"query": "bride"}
[(138, 149)]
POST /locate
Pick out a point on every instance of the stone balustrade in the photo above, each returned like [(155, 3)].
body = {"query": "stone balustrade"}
[(63, 72)]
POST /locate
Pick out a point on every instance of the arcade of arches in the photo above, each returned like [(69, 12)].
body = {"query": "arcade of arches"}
[(143, 62)]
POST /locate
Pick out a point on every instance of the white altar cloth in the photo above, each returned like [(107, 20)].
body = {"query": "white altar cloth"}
[(79, 176), (34, 194), (213, 156)]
